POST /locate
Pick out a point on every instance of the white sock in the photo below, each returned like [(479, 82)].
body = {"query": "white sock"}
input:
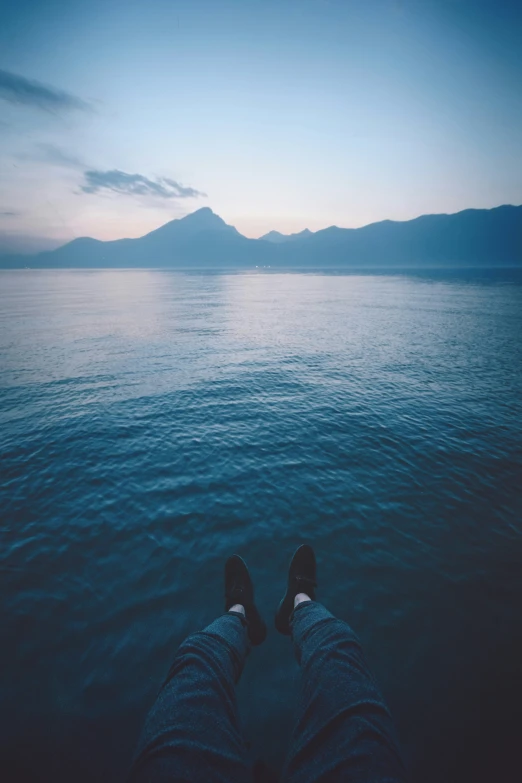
[(300, 597)]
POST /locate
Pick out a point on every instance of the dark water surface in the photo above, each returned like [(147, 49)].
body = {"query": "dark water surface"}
[(152, 423)]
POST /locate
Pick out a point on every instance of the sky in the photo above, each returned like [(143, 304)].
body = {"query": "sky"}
[(117, 116)]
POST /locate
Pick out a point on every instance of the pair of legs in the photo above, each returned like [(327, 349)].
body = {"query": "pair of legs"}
[(344, 731)]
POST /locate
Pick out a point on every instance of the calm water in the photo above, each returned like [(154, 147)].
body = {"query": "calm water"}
[(152, 423)]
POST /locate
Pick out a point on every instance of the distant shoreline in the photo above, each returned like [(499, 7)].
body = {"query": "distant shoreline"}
[(473, 238)]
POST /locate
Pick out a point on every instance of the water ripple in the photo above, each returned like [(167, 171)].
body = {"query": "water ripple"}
[(154, 422)]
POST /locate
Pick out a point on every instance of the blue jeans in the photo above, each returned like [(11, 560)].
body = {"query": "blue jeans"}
[(344, 730)]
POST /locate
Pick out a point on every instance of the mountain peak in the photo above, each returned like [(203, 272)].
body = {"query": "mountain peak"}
[(200, 221), (277, 238), (205, 219), (200, 213)]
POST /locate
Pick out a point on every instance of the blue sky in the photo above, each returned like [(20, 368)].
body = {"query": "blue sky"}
[(117, 116)]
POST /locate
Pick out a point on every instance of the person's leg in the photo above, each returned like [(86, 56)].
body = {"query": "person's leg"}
[(192, 732), (344, 730)]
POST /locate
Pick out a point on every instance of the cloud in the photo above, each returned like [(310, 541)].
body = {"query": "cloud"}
[(136, 185), (58, 157), (9, 214), (25, 92), (52, 155)]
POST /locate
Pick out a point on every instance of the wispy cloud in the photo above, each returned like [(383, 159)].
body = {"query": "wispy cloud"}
[(49, 153), (136, 185), (26, 92), (7, 213)]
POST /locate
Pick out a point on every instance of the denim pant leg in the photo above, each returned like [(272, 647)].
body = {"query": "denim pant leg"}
[(344, 730), (192, 732)]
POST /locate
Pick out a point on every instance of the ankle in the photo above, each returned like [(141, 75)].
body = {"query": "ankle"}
[(300, 598), (239, 608)]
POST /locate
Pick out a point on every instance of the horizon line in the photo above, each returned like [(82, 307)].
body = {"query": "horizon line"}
[(65, 242)]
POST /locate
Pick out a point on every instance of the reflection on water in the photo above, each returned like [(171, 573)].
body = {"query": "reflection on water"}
[(153, 422)]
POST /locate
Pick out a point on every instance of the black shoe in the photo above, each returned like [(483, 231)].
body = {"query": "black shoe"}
[(301, 579), (240, 590)]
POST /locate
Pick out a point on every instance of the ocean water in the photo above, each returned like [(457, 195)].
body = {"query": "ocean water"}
[(154, 422)]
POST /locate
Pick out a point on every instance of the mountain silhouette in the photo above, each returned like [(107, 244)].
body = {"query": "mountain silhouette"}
[(278, 238), (199, 239), (474, 237)]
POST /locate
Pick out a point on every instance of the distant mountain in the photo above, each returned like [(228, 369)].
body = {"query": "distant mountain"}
[(475, 237), (199, 239), (277, 238)]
